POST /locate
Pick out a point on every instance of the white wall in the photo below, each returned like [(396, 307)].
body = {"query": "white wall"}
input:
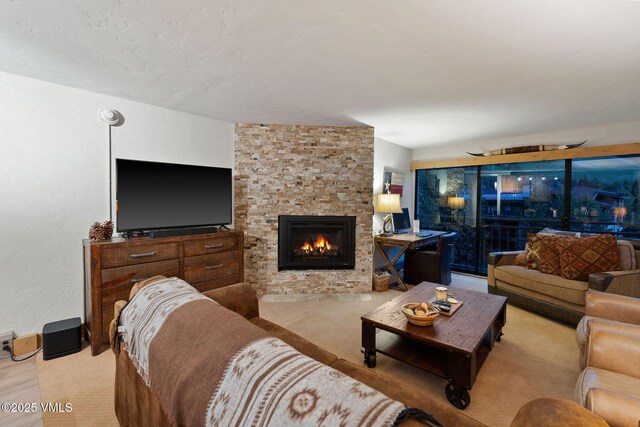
[(396, 158), (54, 185), (616, 133)]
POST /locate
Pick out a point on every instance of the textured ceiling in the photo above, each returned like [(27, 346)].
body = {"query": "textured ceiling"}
[(420, 72)]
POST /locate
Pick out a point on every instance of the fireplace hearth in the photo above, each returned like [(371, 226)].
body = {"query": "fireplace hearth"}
[(307, 242)]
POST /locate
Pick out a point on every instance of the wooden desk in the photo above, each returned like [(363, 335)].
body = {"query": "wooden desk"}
[(404, 242)]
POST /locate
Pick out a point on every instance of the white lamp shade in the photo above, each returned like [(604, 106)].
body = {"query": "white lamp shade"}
[(456, 202), (388, 203)]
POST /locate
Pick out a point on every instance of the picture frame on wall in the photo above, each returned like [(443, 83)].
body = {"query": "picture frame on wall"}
[(393, 182)]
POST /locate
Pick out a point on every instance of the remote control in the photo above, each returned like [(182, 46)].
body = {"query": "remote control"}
[(442, 306)]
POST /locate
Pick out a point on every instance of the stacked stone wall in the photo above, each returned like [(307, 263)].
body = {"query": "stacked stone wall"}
[(303, 170)]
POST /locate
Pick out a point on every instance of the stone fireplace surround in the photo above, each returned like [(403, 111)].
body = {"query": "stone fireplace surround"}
[(303, 170)]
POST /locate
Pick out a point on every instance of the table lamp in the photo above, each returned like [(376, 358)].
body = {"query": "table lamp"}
[(455, 204), (388, 204)]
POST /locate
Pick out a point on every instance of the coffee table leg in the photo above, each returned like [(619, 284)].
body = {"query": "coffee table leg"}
[(457, 396), (369, 344), (461, 370)]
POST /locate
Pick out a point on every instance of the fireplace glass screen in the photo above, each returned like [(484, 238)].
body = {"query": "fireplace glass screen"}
[(316, 242)]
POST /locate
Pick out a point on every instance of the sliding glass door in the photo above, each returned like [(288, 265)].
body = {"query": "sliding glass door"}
[(494, 207), (517, 199)]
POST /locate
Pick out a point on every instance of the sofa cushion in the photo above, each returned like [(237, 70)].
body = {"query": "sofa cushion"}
[(543, 253), (572, 291), (581, 257), (594, 378), (615, 408), (588, 322), (296, 341)]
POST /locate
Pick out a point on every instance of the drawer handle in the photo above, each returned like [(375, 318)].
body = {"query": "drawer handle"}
[(146, 254), (219, 245), (213, 267), (140, 280)]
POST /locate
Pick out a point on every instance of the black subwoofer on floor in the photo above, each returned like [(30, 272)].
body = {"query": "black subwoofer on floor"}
[(61, 338)]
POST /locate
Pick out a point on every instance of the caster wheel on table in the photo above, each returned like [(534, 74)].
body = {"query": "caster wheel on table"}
[(458, 397), (370, 358)]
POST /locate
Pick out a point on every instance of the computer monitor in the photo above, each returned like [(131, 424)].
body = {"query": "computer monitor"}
[(402, 221)]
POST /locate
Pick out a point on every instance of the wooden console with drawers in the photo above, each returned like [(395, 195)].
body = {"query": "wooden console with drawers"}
[(112, 267)]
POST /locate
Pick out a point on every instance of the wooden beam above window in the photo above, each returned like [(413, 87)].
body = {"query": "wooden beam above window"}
[(572, 153)]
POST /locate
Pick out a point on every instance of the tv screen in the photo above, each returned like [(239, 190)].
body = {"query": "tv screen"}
[(153, 196)]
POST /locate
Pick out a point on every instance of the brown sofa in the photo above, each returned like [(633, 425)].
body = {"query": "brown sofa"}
[(552, 295), (136, 404)]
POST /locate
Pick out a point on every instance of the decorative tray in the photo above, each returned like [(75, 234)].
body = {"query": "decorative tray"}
[(454, 307)]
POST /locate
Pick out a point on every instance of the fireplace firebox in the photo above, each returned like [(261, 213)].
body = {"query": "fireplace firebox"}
[(316, 242)]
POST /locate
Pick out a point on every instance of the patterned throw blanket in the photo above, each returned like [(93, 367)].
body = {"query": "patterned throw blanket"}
[(209, 366), (147, 312), (270, 383)]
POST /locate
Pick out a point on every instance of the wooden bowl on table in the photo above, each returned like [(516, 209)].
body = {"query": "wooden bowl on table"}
[(420, 314)]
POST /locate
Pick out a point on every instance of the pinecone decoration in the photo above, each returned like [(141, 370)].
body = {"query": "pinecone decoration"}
[(96, 232), (107, 230)]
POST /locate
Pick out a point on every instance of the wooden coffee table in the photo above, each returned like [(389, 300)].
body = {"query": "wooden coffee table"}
[(453, 348)]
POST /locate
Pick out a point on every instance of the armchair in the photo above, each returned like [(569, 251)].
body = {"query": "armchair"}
[(610, 312), (430, 266), (610, 383)]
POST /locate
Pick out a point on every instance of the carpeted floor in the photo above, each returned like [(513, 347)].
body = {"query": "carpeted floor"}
[(84, 381), (537, 357)]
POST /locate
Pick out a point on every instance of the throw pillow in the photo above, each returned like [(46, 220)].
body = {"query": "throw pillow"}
[(543, 253), (627, 255), (581, 257), (521, 259)]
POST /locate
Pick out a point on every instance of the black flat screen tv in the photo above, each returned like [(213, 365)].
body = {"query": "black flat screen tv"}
[(156, 196)]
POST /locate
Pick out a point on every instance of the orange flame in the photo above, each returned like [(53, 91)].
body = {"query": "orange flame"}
[(321, 245)]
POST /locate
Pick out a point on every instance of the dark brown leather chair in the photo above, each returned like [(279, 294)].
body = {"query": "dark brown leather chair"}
[(430, 266)]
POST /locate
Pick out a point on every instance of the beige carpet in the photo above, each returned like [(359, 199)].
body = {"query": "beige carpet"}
[(84, 381), (537, 357)]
